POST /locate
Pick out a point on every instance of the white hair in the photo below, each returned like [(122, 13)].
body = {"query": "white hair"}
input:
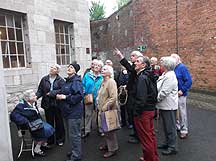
[(110, 69), (177, 58), (137, 53), (28, 94), (100, 63), (154, 59)]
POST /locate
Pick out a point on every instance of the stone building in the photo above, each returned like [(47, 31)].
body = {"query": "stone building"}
[(160, 28), (35, 34)]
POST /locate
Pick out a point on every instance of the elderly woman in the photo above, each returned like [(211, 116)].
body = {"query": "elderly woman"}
[(48, 88), (107, 100), (71, 96), (168, 104), (91, 83), (26, 112)]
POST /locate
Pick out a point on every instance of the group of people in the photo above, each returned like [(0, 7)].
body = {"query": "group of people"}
[(149, 88)]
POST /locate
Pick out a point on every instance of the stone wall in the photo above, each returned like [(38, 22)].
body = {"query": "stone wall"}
[(166, 27), (39, 17)]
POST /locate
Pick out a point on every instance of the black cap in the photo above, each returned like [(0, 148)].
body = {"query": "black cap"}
[(75, 66)]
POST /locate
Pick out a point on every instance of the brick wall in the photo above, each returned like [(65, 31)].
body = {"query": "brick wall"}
[(153, 24)]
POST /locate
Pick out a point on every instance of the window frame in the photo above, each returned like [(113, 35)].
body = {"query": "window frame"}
[(63, 58), (19, 64)]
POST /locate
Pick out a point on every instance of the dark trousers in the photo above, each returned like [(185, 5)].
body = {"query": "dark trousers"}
[(54, 118), (169, 127), (74, 136), (145, 129), (123, 115)]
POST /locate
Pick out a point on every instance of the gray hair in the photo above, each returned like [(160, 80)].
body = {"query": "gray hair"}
[(169, 63), (108, 61), (145, 60), (28, 94)]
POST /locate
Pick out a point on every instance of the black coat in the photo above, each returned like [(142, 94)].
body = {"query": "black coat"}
[(44, 88), (144, 94), (131, 84)]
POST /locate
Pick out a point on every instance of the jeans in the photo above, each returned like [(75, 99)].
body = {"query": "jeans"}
[(74, 135)]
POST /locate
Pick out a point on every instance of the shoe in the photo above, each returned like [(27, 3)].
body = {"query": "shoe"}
[(46, 147), (132, 135), (169, 151), (130, 127), (40, 153), (133, 140), (102, 134), (60, 144), (162, 146), (183, 136), (109, 154), (85, 135), (103, 148), (141, 159), (69, 154)]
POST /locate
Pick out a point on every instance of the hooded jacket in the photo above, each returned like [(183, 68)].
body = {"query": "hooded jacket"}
[(72, 106)]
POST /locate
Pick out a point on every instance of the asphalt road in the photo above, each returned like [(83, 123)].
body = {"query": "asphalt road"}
[(199, 146)]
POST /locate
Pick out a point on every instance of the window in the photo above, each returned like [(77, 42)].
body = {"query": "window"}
[(64, 42), (12, 41)]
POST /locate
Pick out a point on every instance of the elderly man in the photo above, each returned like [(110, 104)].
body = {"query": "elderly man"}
[(144, 107), (131, 87), (49, 86), (184, 84), (167, 85)]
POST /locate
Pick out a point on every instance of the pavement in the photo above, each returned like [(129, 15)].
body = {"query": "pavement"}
[(199, 146)]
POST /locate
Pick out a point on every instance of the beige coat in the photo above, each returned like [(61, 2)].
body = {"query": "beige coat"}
[(107, 97)]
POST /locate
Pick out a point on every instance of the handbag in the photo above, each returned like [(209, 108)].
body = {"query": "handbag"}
[(88, 99), (36, 124), (110, 120)]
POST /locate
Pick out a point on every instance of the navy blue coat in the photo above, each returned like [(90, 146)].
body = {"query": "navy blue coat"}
[(44, 87), (23, 114), (72, 106)]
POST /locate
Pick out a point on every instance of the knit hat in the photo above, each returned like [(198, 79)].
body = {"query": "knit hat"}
[(75, 66)]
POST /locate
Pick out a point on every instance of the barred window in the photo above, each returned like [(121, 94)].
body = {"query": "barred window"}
[(12, 41), (64, 42)]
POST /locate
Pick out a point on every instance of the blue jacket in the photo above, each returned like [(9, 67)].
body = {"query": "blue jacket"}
[(72, 106), (89, 81), (184, 78)]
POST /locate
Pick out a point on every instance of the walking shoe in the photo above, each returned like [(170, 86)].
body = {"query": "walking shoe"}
[(109, 154), (162, 146), (40, 153), (133, 140), (169, 151), (141, 159), (183, 136), (60, 144)]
